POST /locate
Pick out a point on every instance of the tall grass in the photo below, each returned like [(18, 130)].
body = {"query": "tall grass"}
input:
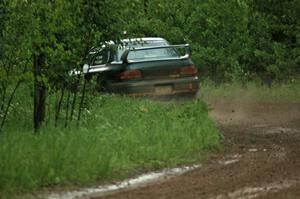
[(118, 136), (252, 91)]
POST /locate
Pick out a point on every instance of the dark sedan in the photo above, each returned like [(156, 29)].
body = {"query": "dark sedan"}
[(143, 67)]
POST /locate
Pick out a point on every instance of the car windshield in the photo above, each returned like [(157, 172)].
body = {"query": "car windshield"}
[(147, 53)]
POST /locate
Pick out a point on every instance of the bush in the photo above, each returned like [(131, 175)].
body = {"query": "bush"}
[(119, 135)]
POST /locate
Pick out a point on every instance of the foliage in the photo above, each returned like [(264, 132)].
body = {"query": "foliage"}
[(41, 41), (119, 135), (252, 92), (238, 40)]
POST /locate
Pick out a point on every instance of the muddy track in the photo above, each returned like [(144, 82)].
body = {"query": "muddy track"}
[(261, 157)]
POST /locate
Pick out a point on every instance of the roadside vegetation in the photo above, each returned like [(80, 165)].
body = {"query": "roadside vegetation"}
[(55, 130), (118, 137), (239, 40), (251, 91)]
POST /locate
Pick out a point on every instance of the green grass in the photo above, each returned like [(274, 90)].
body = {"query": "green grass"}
[(119, 136), (252, 91)]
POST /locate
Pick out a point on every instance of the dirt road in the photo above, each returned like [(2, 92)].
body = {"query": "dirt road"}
[(261, 157)]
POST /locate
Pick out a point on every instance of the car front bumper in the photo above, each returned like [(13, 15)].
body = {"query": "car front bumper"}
[(159, 87)]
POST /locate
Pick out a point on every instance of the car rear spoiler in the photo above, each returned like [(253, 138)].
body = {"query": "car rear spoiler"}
[(187, 48)]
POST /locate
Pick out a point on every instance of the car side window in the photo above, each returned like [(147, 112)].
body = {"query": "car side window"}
[(101, 57)]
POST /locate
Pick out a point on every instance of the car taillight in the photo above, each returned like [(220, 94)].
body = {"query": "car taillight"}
[(129, 74), (188, 70)]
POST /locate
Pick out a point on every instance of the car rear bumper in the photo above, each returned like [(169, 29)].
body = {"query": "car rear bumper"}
[(156, 87)]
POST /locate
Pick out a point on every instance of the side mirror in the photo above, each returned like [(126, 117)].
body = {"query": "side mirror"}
[(85, 68)]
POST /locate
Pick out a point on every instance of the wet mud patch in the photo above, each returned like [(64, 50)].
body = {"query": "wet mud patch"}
[(230, 159), (279, 130), (254, 192), (261, 157), (139, 181)]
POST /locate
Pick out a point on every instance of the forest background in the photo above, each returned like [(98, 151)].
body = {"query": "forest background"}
[(232, 41), (82, 137)]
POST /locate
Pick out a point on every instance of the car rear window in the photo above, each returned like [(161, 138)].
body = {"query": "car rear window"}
[(152, 54), (147, 53)]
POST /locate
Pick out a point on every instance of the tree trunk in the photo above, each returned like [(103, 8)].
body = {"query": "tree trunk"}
[(67, 109), (62, 93), (39, 91), (73, 105), (75, 90), (146, 7), (81, 102), (9, 103), (3, 98)]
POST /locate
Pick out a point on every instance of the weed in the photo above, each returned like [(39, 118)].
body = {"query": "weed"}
[(118, 135), (252, 91)]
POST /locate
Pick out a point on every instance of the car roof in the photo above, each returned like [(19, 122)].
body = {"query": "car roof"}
[(144, 39), (128, 40)]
